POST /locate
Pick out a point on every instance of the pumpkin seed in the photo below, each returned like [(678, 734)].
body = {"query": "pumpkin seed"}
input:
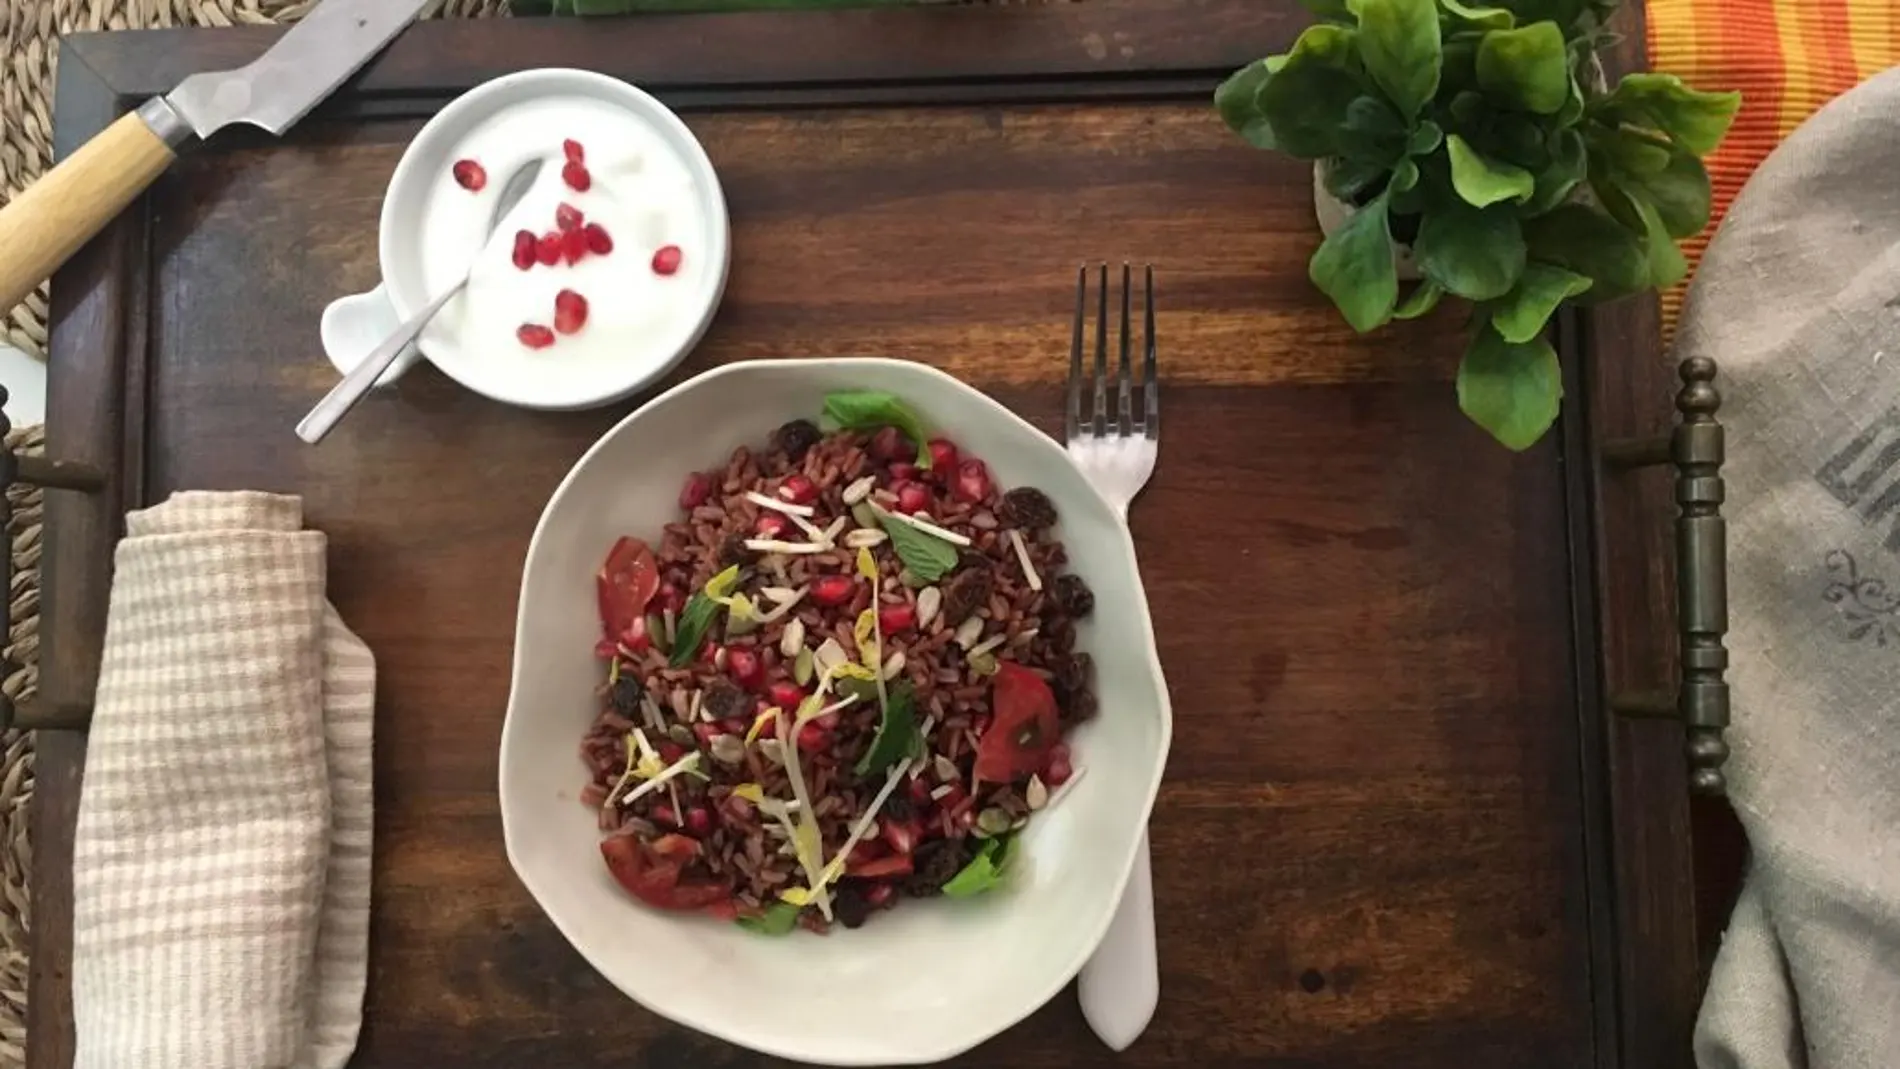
[(994, 821)]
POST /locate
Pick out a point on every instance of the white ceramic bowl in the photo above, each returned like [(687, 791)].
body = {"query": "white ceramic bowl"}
[(353, 326), (931, 978)]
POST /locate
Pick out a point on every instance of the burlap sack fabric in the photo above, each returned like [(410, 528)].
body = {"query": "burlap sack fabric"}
[(1799, 300), (221, 875)]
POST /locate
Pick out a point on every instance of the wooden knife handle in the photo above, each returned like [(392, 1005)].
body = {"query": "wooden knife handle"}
[(45, 225)]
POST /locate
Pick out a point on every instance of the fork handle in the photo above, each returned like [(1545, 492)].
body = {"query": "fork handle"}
[(1121, 982)]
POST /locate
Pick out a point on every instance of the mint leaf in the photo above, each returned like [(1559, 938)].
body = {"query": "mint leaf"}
[(1482, 181), (1512, 390), (1521, 315), (863, 410), (1400, 43), (984, 872), (929, 557), (1526, 68), (1354, 267), (896, 739), (779, 918), (695, 620)]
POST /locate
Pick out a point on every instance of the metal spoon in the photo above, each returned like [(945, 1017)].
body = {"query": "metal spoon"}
[(345, 394)]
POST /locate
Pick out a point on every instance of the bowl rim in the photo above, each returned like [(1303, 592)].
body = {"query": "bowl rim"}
[(773, 1045), (421, 157)]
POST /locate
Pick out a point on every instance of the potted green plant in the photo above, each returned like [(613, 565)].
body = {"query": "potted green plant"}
[(1481, 145)]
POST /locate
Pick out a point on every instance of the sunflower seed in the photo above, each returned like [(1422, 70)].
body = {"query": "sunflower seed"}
[(682, 702), (946, 769), (893, 664), (969, 631), (793, 640), (865, 538), (1038, 793), (772, 750), (830, 655), (859, 490), (929, 601), (681, 734), (728, 749)]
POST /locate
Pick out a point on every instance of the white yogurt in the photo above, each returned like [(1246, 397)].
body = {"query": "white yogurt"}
[(642, 194)]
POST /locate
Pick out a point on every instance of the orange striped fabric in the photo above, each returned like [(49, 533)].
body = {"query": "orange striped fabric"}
[(1788, 57)]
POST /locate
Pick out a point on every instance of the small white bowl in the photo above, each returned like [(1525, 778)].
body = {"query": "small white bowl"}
[(931, 978), (353, 326)]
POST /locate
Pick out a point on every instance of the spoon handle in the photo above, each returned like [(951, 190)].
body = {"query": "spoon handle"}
[(345, 394), (1121, 983)]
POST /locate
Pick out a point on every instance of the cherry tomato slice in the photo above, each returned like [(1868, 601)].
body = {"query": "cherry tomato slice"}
[(1025, 725), (651, 872), (627, 581)]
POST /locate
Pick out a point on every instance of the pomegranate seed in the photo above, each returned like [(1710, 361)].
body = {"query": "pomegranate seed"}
[(598, 241), (888, 444), (735, 725), (567, 217), (770, 525), (671, 597), (896, 619), (919, 791), (902, 472), (573, 246), (573, 151), (913, 498), (699, 821), (570, 311), (965, 820), (667, 260), (953, 798), (710, 654), (576, 176), (697, 489), (524, 249), (470, 175), (829, 721), (1057, 769), (798, 490), (670, 751), (832, 591), (547, 251), (706, 733), (785, 695), (972, 483), (812, 738), (879, 894), (900, 835), (535, 336), (943, 454), (663, 814), (744, 666), (895, 865)]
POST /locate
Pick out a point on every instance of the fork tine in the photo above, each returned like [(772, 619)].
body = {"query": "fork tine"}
[(1099, 424), (1125, 375), (1072, 412), (1151, 390)]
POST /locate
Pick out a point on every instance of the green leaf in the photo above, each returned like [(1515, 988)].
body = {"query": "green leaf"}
[(930, 557), (1307, 98), (779, 918), (1573, 104), (1512, 390), (1590, 243), (1354, 267), (1238, 101), (1561, 12), (695, 620), (1401, 46), (1525, 68), (1662, 101), (1666, 263), (1476, 253), (1373, 132), (984, 872), (896, 738), (1521, 315), (1425, 138), (1329, 9), (1679, 189), (1569, 162), (1482, 181), (1483, 18), (1350, 180), (1404, 176), (1423, 298), (863, 410)]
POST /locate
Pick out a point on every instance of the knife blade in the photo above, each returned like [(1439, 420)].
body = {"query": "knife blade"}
[(51, 219)]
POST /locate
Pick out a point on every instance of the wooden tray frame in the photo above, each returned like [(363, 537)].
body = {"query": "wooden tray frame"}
[(1636, 823)]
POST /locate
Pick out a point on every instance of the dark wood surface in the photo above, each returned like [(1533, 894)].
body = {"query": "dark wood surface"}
[(1394, 826)]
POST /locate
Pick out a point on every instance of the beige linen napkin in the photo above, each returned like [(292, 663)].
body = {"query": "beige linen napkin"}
[(1799, 302), (222, 865)]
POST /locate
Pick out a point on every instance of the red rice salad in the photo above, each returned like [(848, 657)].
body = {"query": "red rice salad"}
[(840, 680)]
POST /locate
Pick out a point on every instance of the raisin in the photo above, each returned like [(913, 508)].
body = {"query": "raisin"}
[(1073, 596), (1075, 704), (849, 905), (796, 438), (1028, 508), (724, 700), (936, 863), (898, 807), (966, 593), (1073, 672), (626, 695), (732, 550)]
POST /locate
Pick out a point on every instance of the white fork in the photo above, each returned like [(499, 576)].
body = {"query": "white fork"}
[(1121, 984)]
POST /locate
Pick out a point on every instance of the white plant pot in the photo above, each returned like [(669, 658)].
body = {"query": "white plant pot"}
[(1333, 213)]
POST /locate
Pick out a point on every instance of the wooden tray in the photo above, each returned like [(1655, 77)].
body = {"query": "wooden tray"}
[(1399, 826)]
